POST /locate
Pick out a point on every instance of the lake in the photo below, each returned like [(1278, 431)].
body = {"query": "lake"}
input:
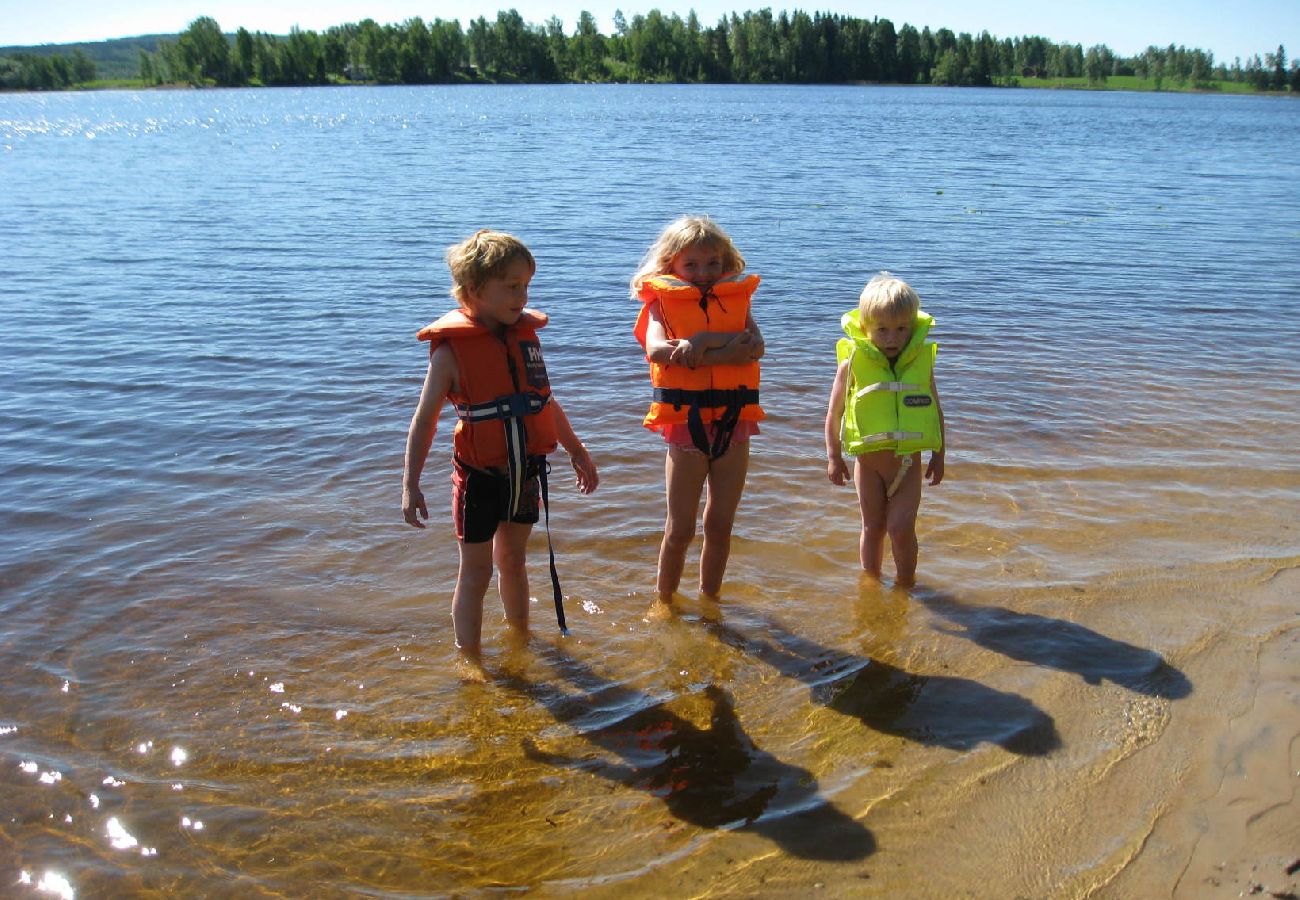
[(229, 664)]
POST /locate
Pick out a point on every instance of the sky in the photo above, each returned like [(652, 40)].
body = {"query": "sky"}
[(1240, 29)]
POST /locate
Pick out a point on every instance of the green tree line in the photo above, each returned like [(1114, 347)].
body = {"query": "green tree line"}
[(754, 47), (32, 72), (750, 47)]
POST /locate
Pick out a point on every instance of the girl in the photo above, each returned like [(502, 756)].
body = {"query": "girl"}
[(703, 347)]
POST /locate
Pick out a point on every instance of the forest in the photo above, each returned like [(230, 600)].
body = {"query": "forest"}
[(750, 47)]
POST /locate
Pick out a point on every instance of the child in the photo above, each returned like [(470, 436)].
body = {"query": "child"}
[(883, 411), (486, 357), (703, 347)]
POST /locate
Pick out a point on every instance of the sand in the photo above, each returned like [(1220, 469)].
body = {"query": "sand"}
[(1234, 828)]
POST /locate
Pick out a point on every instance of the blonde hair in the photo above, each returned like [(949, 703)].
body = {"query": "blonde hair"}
[(687, 231), (887, 297), (484, 255)]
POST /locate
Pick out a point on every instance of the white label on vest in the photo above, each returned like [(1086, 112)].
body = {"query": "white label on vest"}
[(534, 368)]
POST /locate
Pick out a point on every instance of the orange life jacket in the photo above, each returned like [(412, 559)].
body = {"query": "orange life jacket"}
[(721, 395), (503, 404)]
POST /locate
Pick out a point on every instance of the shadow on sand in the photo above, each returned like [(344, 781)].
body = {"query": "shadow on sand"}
[(714, 777), (1059, 644), (938, 710)]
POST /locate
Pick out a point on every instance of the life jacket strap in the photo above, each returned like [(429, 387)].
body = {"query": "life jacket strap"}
[(543, 468), (507, 406), (706, 398), (511, 410), (880, 436), (731, 400), (892, 386), (898, 478)]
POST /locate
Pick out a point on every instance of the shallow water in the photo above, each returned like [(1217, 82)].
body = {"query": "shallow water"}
[(228, 665)]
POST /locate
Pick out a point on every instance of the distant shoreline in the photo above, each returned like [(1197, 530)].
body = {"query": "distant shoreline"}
[(753, 47), (1035, 84)]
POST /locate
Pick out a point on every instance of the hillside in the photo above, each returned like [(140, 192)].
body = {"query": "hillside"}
[(118, 58)]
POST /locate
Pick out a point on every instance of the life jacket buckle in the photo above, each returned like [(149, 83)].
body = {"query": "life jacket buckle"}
[(512, 406)]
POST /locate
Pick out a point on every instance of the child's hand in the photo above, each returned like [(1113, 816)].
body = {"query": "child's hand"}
[(687, 353), (413, 501), (934, 471), (675, 353), (756, 345), (585, 468), (838, 470)]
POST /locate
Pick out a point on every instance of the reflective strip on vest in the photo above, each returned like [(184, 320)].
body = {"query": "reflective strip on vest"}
[(511, 406), (880, 436), (511, 409), (895, 386), (516, 461)]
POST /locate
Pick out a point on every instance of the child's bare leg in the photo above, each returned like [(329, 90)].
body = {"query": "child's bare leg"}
[(510, 553), (726, 483), (900, 522), (871, 504), (467, 602), (684, 474)]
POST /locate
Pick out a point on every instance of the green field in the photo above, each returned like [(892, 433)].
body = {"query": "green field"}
[(1136, 83)]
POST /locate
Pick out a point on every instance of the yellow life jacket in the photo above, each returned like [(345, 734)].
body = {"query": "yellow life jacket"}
[(888, 407), (721, 395)]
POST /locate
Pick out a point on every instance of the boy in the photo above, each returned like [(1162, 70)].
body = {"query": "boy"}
[(883, 411), (486, 357)]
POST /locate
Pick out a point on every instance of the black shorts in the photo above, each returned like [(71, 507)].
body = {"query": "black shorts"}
[(481, 500)]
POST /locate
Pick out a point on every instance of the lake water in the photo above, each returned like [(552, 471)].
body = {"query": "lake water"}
[(228, 665)]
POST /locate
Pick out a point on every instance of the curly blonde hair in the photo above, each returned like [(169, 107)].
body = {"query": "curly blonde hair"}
[(483, 255), (687, 231), (887, 297)]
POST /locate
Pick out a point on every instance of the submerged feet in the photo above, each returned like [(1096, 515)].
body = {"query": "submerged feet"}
[(670, 606)]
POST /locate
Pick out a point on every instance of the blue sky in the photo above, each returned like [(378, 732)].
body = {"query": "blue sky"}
[(1127, 27)]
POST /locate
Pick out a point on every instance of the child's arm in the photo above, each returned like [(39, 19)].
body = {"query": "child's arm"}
[(666, 351), (711, 348), (659, 348), (757, 346), (934, 471), (836, 468), (438, 381), (735, 348), (583, 465)]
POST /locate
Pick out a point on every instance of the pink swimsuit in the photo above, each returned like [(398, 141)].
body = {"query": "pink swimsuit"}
[(679, 435)]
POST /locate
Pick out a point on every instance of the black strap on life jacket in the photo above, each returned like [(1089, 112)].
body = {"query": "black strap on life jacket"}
[(731, 400), (543, 468), (510, 409)]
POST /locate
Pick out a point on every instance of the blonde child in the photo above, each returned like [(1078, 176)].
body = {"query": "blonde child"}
[(703, 347), (883, 411), (485, 356)]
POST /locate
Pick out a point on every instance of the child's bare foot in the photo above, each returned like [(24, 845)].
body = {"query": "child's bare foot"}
[(471, 671), (710, 607), (469, 666), (662, 609), (516, 634)]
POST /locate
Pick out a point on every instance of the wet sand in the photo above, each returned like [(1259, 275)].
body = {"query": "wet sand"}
[(1232, 828), (1221, 775)]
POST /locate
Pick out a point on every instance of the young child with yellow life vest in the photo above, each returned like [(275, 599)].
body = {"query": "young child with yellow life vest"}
[(703, 347), (883, 411), (486, 358)]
